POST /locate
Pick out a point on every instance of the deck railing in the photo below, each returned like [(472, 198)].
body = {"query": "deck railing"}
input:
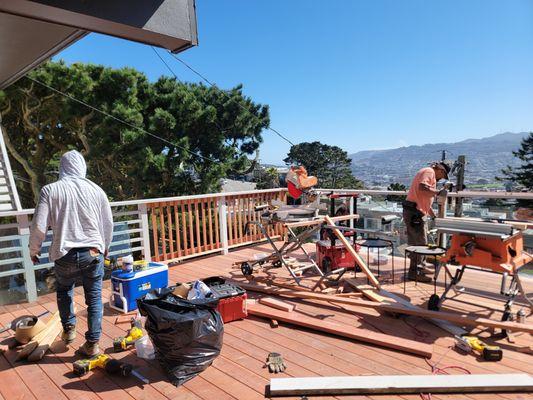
[(197, 225), (163, 229)]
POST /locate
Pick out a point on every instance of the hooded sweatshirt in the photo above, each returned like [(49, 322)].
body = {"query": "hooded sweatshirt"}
[(76, 209)]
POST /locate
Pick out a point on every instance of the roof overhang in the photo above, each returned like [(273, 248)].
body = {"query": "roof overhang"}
[(33, 31)]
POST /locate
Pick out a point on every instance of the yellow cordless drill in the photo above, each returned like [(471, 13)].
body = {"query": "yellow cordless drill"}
[(111, 366), (122, 343), (474, 344)]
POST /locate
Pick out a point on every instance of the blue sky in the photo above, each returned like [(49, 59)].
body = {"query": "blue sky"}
[(358, 74)]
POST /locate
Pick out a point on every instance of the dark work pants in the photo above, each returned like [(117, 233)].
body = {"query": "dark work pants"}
[(80, 264), (416, 234)]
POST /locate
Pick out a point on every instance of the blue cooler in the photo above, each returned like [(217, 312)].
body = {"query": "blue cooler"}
[(127, 287)]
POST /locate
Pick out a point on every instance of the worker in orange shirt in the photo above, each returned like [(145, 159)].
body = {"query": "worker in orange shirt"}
[(417, 209)]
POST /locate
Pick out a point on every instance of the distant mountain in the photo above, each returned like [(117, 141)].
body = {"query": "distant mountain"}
[(485, 159)]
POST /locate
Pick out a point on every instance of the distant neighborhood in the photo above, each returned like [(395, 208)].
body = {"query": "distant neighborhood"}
[(485, 157)]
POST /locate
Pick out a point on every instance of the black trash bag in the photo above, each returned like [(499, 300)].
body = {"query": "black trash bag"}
[(186, 334)]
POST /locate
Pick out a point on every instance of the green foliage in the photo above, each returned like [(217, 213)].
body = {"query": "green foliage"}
[(396, 187), (268, 179), (523, 175), (330, 164), (128, 163)]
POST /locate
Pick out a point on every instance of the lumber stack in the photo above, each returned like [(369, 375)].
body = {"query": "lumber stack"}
[(460, 319), (39, 345)]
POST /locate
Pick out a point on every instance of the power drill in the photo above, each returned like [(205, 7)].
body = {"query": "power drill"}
[(474, 344), (122, 343), (111, 366)]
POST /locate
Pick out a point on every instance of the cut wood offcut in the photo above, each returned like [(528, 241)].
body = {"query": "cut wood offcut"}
[(362, 335), (399, 384), (28, 349), (274, 303)]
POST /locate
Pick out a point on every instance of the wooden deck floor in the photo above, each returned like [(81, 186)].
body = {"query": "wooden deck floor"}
[(239, 374)]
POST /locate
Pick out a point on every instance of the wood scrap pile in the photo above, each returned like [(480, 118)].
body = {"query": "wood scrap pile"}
[(278, 306), (392, 306), (39, 344)]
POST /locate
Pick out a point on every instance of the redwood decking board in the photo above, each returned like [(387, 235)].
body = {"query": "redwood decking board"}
[(358, 334)]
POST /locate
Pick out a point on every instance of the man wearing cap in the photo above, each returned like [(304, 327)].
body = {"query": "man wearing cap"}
[(417, 208)]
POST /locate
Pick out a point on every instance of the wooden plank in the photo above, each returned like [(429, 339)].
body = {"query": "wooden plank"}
[(177, 225), (239, 218), (396, 384), (244, 218), (210, 223), (170, 230), (12, 386), (45, 343), (235, 221), (191, 233), (250, 212), (204, 229), (320, 221), (461, 319), (280, 305), (186, 239), (364, 335), (52, 322), (155, 234), (368, 291), (163, 234), (197, 225), (353, 253), (229, 217), (216, 205)]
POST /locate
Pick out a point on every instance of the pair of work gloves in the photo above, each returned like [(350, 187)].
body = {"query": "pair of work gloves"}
[(275, 363)]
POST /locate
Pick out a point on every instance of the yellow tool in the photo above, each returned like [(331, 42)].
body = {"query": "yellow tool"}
[(122, 343), (474, 344), (111, 366)]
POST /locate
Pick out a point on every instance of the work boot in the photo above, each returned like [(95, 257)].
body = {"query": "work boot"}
[(419, 277), (89, 349), (69, 334)]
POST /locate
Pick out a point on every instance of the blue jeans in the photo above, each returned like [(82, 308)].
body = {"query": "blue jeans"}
[(80, 264)]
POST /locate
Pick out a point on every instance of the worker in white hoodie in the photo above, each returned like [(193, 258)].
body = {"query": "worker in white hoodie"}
[(78, 212)]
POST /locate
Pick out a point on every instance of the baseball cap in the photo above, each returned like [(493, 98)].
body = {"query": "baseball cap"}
[(445, 166)]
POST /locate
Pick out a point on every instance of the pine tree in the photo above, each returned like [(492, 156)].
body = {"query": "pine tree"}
[(523, 175)]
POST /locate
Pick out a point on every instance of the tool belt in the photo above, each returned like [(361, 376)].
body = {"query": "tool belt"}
[(416, 217)]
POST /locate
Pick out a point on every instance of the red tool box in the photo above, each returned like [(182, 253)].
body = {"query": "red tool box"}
[(232, 300)]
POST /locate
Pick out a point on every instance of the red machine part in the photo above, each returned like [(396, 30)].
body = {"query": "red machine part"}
[(331, 257), (488, 253)]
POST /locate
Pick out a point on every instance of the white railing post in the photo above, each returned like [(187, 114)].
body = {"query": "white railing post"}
[(351, 205), (143, 211), (29, 270), (223, 224)]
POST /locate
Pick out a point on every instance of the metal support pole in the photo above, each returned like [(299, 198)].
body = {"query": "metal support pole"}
[(223, 224)]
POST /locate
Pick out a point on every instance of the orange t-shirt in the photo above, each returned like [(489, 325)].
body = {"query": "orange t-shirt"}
[(422, 199)]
